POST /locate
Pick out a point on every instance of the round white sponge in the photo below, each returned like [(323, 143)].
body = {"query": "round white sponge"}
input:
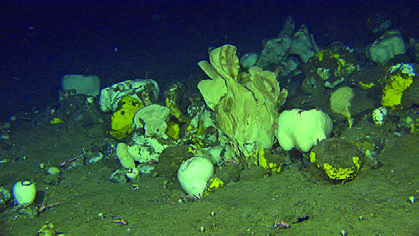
[(194, 174), (302, 129)]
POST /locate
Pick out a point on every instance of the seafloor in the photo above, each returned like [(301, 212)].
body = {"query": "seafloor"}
[(376, 202)]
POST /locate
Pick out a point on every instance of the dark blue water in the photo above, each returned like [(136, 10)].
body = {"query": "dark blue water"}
[(41, 42)]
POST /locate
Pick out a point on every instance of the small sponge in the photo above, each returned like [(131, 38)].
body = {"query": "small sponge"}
[(340, 102)]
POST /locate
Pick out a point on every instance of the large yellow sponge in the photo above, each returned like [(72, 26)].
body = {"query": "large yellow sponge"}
[(123, 116)]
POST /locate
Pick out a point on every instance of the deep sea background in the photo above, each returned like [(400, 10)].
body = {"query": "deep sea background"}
[(40, 42)]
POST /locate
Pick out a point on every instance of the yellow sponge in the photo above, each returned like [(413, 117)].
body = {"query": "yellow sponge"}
[(215, 183), (272, 166), (123, 116), (393, 91)]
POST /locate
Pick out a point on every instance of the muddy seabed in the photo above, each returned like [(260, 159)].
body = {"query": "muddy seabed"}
[(375, 203)]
